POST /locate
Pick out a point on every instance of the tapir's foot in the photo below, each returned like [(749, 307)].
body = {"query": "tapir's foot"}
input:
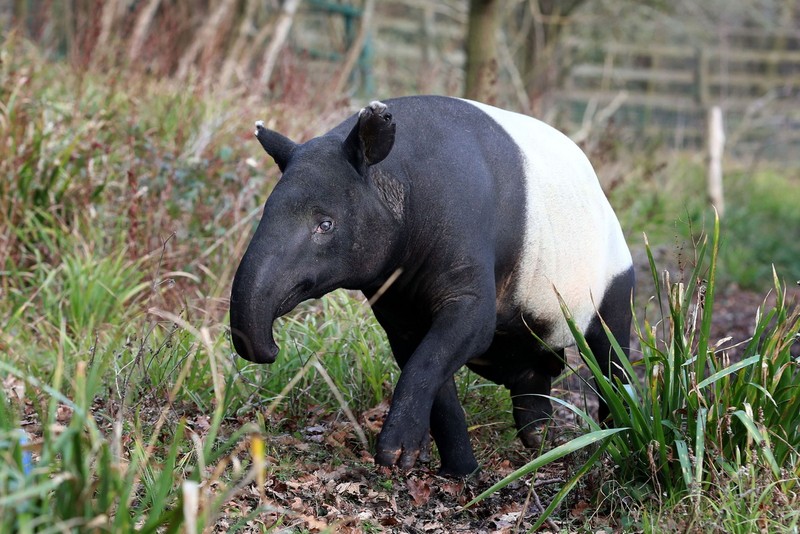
[(402, 449), (459, 469), (425, 450), (406, 459), (533, 435), (532, 409)]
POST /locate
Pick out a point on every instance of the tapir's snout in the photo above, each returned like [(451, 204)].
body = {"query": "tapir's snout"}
[(252, 312), (259, 296), (256, 351)]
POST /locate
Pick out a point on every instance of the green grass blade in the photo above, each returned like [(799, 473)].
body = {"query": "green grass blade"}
[(570, 484), (682, 450), (728, 370), (761, 441), (699, 448), (550, 456), (164, 483)]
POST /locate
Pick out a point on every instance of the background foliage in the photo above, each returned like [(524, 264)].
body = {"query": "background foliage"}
[(129, 188)]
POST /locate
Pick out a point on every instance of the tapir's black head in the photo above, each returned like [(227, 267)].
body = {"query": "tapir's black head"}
[(326, 225)]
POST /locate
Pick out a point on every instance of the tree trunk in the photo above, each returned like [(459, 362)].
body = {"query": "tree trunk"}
[(481, 75)]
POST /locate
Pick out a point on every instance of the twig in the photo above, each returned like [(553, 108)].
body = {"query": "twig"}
[(204, 38), (548, 481), (140, 30), (282, 28), (288, 387), (513, 73), (592, 120), (232, 59), (540, 509), (340, 398), (107, 20), (355, 49)]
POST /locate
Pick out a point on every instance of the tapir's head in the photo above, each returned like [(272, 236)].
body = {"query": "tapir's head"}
[(330, 222)]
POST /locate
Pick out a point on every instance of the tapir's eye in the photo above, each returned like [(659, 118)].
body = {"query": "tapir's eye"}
[(324, 227)]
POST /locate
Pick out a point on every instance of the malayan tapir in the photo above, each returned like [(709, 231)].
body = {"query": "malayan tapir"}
[(467, 222)]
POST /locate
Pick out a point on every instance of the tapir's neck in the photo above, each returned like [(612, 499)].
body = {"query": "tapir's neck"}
[(391, 191)]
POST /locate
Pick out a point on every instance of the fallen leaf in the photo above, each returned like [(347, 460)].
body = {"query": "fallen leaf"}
[(350, 488), (336, 474), (389, 521), (315, 433), (419, 490), (373, 418), (202, 423), (579, 508)]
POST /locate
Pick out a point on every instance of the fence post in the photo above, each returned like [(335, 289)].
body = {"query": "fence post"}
[(716, 145)]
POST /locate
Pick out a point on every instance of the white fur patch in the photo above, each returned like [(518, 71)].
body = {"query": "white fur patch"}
[(573, 243)]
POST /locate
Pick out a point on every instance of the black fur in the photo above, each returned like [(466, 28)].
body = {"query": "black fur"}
[(428, 192)]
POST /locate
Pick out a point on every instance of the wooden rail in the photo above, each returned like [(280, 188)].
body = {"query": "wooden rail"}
[(668, 90)]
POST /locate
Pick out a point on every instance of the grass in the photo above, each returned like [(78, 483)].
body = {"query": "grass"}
[(715, 437), (125, 203), (665, 198)]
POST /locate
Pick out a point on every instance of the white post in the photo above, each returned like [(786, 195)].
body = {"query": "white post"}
[(716, 146)]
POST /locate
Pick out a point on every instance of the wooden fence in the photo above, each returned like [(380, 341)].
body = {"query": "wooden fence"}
[(414, 46), (663, 91), (657, 93)]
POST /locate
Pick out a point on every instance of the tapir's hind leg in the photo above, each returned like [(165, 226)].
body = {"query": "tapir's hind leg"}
[(532, 411), (510, 365), (616, 312)]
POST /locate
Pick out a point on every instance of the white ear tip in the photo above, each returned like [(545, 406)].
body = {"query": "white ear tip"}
[(376, 106)]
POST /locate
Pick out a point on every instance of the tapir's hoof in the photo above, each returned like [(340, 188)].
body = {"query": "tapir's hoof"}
[(425, 450), (459, 471), (387, 458), (533, 435)]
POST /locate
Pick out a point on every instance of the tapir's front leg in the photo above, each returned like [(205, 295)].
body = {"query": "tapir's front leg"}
[(461, 330)]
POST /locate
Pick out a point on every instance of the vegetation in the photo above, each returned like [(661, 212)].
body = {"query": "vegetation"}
[(701, 431), (125, 203)]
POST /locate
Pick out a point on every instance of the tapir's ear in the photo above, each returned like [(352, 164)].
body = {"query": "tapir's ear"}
[(278, 146), (372, 138)]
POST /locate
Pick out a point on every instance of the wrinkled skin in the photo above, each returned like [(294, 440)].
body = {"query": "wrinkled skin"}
[(354, 210)]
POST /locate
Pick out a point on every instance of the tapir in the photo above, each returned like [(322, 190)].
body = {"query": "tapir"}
[(467, 226)]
